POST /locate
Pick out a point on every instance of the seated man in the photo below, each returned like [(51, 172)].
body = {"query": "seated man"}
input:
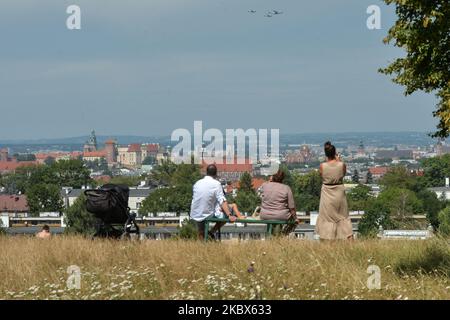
[(208, 200), (44, 233)]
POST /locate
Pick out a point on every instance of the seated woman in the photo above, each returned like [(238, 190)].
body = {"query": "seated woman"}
[(277, 200)]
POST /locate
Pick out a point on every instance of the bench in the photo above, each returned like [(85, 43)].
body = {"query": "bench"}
[(269, 223)]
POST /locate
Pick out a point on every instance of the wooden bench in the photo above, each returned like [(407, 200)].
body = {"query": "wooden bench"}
[(269, 224)]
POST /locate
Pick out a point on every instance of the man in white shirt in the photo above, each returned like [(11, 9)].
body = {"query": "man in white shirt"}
[(209, 200)]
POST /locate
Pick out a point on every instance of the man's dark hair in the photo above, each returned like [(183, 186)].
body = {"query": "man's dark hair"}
[(211, 170), (46, 228)]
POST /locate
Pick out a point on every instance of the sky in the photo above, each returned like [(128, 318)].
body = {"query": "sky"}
[(149, 67)]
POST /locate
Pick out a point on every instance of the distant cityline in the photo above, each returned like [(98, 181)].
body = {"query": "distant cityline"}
[(166, 138)]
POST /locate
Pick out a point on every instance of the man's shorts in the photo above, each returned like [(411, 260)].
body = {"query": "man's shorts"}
[(200, 225)]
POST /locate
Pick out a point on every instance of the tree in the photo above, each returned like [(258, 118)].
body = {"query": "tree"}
[(185, 174), (355, 176), (71, 173), (306, 190), (401, 203), (130, 181), (359, 197), (44, 198), (78, 219), (149, 160), (377, 215), (49, 161), (423, 31), (436, 169), (444, 221), (246, 198), (162, 173), (369, 178), (432, 205), (399, 177)]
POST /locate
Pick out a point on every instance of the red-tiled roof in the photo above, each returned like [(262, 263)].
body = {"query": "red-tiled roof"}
[(378, 170), (256, 183), (13, 203), (94, 154), (134, 147), (110, 141), (13, 165), (153, 147)]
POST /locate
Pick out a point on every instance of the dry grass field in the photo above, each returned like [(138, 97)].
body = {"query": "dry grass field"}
[(173, 269)]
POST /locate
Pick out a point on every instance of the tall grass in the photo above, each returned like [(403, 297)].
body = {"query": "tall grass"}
[(277, 269)]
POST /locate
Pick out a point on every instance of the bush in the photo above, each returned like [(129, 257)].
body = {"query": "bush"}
[(444, 221), (188, 230), (2, 230), (375, 216), (434, 259), (78, 219)]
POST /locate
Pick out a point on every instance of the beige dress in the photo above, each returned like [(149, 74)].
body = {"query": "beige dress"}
[(333, 221)]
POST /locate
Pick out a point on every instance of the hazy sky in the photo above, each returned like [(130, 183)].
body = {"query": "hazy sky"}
[(148, 67)]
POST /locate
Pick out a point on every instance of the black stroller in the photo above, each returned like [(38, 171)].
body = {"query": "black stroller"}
[(109, 205)]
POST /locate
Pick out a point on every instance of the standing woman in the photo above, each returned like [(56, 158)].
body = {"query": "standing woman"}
[(333, 221)]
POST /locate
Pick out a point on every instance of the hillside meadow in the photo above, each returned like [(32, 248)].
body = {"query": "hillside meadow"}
[(33, 268)]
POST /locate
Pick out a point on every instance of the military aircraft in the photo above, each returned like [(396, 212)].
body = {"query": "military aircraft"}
[(268, 15), (252, 11), (276, 12)]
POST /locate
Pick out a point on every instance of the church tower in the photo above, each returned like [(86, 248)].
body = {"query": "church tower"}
[(91, 144)]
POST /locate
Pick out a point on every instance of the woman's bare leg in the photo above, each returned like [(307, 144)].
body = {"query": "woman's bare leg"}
[(236, 210)]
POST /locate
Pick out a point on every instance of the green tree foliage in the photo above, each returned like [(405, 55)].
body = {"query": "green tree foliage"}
[(49, 161), (369, 178), (431, 205), (355, 176), (44, 198), (163, 172), (71, 173), (177, 195), (100, 165), (422, 29), (376, 215), (359, 198), (306, 190), (246, 198), (130, 181), (436, 170), (444, 221), (188, 230), (149, 160), (402, 203), (78, 219), (400, 177)]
